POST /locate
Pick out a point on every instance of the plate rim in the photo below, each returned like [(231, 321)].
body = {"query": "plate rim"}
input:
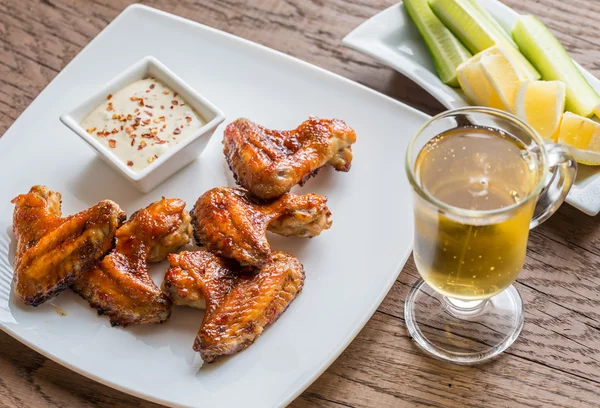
[(402, 258)]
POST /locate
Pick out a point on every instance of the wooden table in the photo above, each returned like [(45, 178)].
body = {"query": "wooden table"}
[(555, 361)]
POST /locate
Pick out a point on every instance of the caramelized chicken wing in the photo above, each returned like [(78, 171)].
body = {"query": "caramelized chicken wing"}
[(119, 286), (52, 252), (228, 223), (239, 302), (268, 163)]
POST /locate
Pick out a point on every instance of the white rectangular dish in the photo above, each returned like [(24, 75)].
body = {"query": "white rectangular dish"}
[(349, 269), (391, 38), (177, 156)]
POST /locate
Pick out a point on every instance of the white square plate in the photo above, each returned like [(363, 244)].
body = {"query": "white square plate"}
[(392, 39), (349, 269)]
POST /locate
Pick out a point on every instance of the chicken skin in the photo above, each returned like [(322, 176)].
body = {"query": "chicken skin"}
[(52, 252), (239, 302), (230, 224), (119, 286), (268, 163)]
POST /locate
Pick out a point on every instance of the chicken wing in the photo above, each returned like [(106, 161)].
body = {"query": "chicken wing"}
[(119, 286), (239, 302), (268, 163), (52, 252), (228, 223)]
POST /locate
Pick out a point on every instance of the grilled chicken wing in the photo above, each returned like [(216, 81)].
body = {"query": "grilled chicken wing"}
[(268, 163), (228, 223), (239, 302), (119, 286), (52, 251)]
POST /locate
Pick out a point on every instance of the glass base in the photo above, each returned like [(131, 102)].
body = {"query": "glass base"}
[(463, 332)]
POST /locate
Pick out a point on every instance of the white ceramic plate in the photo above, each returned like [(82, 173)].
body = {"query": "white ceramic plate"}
[(392, 39), (349, 269)]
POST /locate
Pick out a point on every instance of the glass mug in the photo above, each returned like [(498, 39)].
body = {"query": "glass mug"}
[(465, 309)]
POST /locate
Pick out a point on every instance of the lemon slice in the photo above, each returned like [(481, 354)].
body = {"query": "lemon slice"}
[(582, 135), (476, 85), (504, 74), (541, 104)]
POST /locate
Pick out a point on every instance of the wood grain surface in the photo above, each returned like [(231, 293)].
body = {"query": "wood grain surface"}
[(555, 361)]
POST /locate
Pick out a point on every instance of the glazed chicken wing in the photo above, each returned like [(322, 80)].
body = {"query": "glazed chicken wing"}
[(119, 286), (268, 163), (228, 223), (239, 302), (52, 252)]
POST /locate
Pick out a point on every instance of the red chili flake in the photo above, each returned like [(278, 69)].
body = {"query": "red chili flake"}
[(147, 136), (134, 125), (162, 106), (91, 130), (160, 141), (137, 119), (181, 127), (177, 131), (106, 134), (164, 126), (146, 121), (142, 145), (183, 104), (152, 86), (109, 108), (171, 107), (149, 106), (165, 92), (112, 143), (109, 96), (128, 130), (174, 102), (123, 118), (154, 130), (188, 119), (147, 90), (148, 113), (101, 133), (136, 110), (174, 94), (129, 117), (115, 130), (129, 163), (121, 127)]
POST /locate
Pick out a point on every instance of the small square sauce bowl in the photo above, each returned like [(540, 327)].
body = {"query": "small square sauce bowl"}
[(176, 156)]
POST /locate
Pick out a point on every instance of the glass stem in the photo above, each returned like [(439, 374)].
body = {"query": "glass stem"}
[(464, 308)]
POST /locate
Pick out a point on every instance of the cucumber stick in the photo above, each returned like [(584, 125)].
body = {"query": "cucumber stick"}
[(446, 50), (474, 29), (492, 21), (547, 54)]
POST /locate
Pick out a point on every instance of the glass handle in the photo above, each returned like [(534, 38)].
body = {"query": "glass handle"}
[(563, 171)]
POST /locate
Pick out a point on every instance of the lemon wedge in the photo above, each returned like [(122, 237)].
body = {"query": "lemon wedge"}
[(583, 136), (476, 86), (504, 73), (541, 104)]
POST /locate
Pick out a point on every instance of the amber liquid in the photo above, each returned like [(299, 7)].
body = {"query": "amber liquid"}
[(476, 169)]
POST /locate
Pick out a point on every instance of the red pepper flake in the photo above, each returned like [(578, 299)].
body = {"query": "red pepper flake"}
[(146, 121), (174, 94), (181, 127), (162, 106), (115, 130), (147, 136), (164, 126), (177, 131), (112, 143), (140, 101), (142, 145), (149, 106), (152, 86), (128, 130), (122, 127), (129, 117), (109, 108), (154, 130), (129, 163), (136, 110), (91, 130), (134, 126), (188, 119), (183, 104), (109, 97), (123, 118), (160, 141), (137, 119), (171, 107), (147, 90), (175, 102), (148, 113), (165, 92)]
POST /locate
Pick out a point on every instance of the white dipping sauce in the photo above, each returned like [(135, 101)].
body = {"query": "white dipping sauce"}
[(142, 121)]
